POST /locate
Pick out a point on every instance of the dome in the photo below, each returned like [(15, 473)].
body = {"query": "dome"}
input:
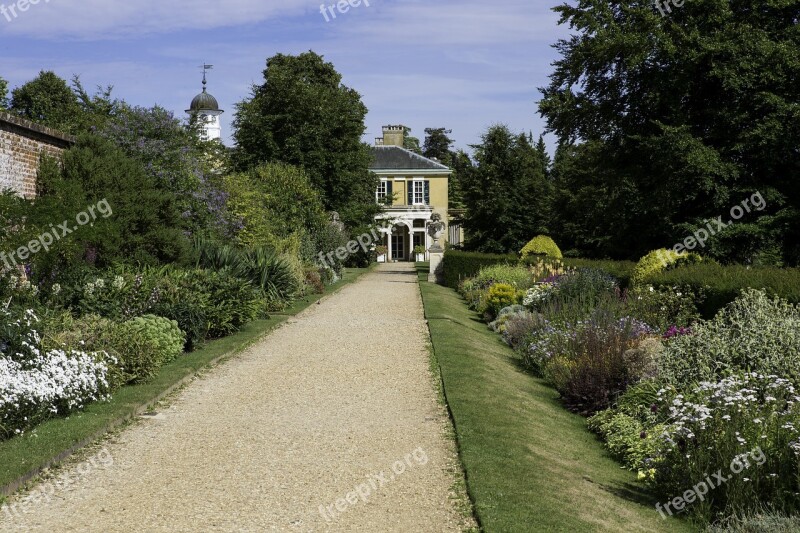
[(204, 102)]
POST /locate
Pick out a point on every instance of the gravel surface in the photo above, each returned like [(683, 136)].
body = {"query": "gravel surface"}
[(331, 423)]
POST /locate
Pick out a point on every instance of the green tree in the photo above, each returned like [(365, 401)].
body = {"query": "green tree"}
[(463, 167), (303, 115), (49, 101), (3, 94), (507, 195), (685, 115), (438, 145), (410, 142)]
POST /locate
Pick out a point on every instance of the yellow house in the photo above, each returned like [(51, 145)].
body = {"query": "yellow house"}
[(417, 187)]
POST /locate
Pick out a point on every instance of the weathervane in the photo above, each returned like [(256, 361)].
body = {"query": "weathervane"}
[(205, 68)]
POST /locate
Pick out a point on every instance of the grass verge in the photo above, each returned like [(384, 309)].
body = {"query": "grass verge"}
[(530, 464), (23, 458)]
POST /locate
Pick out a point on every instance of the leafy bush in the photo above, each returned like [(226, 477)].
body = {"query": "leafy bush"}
[(541, 245), (660, 260), (459, 266), (167, 336), (627, 438), (501, 295), (135, 352), (755, 333), (717, 286)]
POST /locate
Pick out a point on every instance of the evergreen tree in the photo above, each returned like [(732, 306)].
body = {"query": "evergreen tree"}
[(507, 195)]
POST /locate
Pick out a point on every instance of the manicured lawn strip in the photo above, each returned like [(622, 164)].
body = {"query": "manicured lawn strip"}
[(530, 464), (23, 458)]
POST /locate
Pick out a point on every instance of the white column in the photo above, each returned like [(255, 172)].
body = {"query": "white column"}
[(389, 246)]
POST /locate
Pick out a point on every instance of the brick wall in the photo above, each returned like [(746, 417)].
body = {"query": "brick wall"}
[(21, 144)]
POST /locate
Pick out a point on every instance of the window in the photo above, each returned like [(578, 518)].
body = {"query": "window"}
[(384, 190), (419, 192)]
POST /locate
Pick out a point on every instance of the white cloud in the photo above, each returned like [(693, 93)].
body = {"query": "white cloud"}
[(105, 19)]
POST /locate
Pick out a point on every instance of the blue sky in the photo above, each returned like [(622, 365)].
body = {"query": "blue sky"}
[(459, 64)]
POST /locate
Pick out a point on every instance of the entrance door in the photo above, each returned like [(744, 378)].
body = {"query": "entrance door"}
[(398, 248)]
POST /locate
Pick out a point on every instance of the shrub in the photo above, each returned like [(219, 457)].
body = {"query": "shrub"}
[(541, 245), (501, 295), (627, 438), (135, 353), (230, 303), (506, 313), (313, 280), (754, 333), (265, 269), (660, 260), (168, 337), (459, 266)]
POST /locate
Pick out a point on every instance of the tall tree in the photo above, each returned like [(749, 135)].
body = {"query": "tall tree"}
[(303, 115), (438, 145), (507, 195), (48, 100), (687, 114), (3, 94), (544, 157)]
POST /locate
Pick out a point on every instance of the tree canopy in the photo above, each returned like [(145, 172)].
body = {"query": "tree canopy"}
[(303, 115), (666, 121)]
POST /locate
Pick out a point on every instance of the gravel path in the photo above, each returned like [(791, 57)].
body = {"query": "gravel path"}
[(329, 424)]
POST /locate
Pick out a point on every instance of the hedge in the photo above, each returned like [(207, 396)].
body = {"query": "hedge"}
[(462, 265), (723, 284)]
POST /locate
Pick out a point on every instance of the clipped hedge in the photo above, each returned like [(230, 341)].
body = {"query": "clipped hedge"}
[(462, 265), (541, 245), (720, 285), (661, 260)]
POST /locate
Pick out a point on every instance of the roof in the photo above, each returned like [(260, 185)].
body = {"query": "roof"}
[(204, 102), (397, 158)]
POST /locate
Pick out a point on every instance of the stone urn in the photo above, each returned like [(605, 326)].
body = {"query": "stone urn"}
[(436, 229)]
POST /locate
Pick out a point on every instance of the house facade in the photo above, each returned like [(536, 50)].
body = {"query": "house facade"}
[(417, 187)]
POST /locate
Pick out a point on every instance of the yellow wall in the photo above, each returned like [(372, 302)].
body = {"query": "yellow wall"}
[(439, 192)]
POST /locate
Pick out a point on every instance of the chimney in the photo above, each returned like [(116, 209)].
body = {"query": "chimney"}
[(394, 135)]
